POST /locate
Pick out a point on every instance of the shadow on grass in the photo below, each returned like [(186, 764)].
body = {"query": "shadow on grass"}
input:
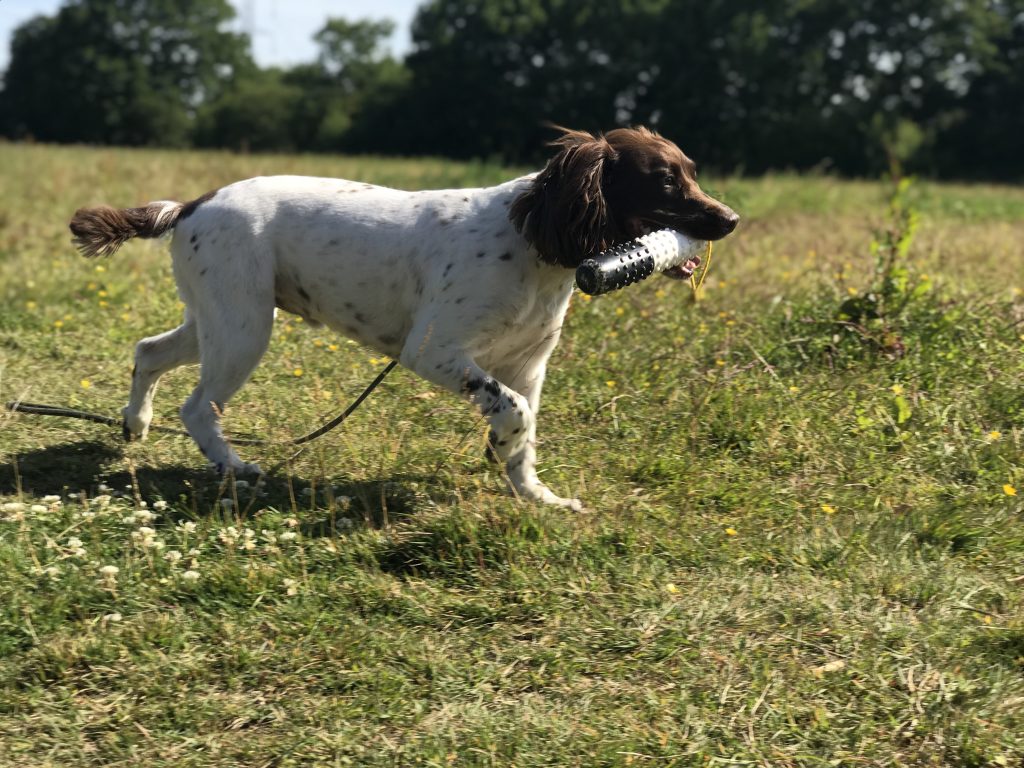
[(1005, 648), (320, 504), (49, 470)]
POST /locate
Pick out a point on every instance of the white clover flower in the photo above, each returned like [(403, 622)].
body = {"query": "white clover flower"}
[(160, 505), (73, 496), (144, 516), (51, 499), (291, 522), (101, 501), (75, 545), (112, 617), (172, 556), (288, 536), (104, 488), (291, 586), (269, 536), (52, 571), (109, 572), (14, 506), (146, 538), (39, 509), (187, 526), (193, 552), (190, 575)]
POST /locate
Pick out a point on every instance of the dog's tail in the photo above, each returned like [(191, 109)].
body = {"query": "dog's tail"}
[(101, 231)]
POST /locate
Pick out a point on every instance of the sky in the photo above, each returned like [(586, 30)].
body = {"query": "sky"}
[(282, 30)]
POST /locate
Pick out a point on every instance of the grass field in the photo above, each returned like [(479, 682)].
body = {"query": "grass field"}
[(803, 544)]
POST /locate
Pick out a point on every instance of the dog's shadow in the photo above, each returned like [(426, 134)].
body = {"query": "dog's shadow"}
[(80, 467)]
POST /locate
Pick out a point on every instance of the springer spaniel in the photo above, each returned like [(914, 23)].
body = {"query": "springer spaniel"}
[(466, 287)]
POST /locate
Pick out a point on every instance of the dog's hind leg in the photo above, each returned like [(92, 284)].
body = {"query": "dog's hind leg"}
[(231, 343), (154, 357)]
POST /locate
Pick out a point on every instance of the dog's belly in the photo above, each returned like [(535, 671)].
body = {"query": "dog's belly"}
[(372, 315)]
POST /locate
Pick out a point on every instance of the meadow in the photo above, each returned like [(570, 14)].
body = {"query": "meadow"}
[(803, 542)]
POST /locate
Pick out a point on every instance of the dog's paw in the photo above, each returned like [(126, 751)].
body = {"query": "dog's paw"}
[(134, 426), (573, 505), (541, 493), (237, 468)]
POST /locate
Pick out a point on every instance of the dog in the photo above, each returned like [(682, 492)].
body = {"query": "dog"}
[(466, 287)]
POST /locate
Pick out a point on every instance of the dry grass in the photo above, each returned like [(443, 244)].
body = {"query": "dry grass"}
[(800, 548)]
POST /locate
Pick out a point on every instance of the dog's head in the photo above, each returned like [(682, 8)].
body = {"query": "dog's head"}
[(599, 191)]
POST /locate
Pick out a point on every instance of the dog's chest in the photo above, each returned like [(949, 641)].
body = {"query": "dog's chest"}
[(524, 327)]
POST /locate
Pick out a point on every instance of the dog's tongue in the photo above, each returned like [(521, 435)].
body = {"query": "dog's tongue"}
[(683, 271)]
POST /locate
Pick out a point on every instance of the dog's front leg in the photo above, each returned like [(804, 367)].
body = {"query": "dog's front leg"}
[(527, 378), (513, 425)]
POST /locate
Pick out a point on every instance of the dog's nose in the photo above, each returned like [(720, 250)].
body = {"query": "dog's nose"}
[(731, 220)]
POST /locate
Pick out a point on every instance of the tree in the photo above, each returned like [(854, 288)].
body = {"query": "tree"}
[(487, 74), (257, 114), (353, 78), (120, 71), (857, 87)]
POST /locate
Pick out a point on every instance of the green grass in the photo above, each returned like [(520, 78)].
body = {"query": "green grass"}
[(799, 548)]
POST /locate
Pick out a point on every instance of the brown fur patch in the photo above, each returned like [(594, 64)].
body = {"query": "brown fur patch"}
[(190, 207), (564, 214), (102, 230)]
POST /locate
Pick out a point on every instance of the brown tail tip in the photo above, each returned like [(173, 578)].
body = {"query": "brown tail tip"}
[(102, 230), (99, 231)]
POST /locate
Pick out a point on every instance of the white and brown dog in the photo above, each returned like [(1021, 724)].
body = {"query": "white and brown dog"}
[(466, 287)]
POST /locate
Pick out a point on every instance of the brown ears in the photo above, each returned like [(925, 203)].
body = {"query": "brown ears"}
[(564, 214)]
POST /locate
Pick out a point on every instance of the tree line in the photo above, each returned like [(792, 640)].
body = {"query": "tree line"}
[(929, 86)]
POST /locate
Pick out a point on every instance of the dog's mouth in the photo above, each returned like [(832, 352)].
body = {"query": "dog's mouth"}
[(684, 271)]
